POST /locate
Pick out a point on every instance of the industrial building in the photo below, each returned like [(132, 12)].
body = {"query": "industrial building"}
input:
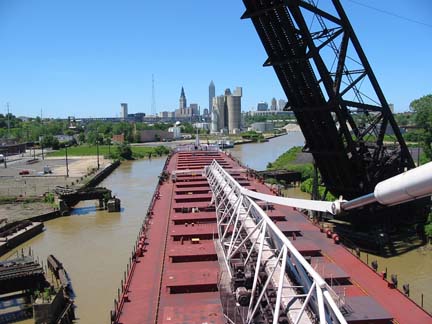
[(234, 113), (124, 111), (226, 112), (262, 127), (176, 131)]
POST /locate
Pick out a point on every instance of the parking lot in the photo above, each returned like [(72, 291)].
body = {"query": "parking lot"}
[(24, 176)]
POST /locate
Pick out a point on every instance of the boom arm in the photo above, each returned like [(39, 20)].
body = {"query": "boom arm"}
[(410, 185)]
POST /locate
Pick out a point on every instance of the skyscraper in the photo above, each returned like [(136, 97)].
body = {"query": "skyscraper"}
[(273, 104), (262, 106), (282, 104), (182, 100), (212, 94)]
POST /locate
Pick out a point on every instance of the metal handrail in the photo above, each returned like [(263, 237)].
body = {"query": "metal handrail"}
[(321, 296)]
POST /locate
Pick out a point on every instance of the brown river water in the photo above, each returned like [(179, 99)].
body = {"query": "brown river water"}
[(94, 246)]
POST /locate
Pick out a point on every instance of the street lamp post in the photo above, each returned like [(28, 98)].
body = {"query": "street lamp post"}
[(67, 165)]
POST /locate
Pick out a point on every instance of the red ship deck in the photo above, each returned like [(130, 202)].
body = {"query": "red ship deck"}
[(175, 279)]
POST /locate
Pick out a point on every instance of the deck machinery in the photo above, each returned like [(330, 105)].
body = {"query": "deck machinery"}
[(337, 101)]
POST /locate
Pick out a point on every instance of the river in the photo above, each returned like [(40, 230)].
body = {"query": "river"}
[(258, 155), (94, 245)]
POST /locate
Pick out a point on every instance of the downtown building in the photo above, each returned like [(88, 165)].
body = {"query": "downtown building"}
[(184, 112)]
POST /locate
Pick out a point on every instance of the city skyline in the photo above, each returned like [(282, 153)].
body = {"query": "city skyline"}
[(49, 62)]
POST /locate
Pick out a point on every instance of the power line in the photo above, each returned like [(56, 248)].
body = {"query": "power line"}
[(391, 14)]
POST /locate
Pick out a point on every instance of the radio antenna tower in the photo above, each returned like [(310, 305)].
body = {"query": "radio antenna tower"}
[(153, 105)]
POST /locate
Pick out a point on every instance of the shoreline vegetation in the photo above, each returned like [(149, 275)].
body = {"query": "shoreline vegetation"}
[(135, 151), (295, 160), (115, 152)]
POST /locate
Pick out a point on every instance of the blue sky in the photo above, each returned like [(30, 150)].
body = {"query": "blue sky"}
[(83, 58)]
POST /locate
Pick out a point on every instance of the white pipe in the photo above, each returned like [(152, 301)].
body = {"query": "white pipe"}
[(410, 185)]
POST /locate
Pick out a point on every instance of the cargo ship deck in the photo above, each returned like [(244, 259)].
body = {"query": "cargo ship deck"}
[(174, 275)]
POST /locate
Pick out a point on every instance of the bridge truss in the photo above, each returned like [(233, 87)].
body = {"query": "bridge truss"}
[(334, 95), (258, 257)]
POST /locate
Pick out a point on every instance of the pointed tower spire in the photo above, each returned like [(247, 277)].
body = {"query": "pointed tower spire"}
[(182, 101)]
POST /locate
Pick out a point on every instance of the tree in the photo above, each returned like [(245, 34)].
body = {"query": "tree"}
[(50, 141), (423, 119), (124, 151), (160, 150), (81, 138)]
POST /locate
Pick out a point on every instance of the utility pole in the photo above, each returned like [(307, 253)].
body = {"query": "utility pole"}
[(97, 149), (8, 120), (43, 135)]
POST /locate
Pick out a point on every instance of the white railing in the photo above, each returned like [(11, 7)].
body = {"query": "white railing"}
[(244, 228), (192, 147)]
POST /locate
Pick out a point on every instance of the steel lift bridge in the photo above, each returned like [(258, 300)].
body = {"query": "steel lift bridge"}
[(278, 285), (337, 101)]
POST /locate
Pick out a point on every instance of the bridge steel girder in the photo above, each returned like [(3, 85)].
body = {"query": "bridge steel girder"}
[(349, 153)]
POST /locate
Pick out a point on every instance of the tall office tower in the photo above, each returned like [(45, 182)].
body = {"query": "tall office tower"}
[(124, 110), (262, 106), (182, 100), (212, 94), (282, 104), (273, 104), (194, 109)]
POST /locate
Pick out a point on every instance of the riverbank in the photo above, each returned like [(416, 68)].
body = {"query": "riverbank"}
[(90, 235), (236, 139)]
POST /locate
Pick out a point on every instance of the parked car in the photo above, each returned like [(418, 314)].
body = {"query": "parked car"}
[(47, 169), (2, 158), (24, 172)]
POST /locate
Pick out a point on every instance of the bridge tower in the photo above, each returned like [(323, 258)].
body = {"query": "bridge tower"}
[(336, 99)]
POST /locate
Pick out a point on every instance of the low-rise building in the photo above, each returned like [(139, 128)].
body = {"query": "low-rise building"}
[(176, 131), (155, 135), (118, 139), (263, 127)]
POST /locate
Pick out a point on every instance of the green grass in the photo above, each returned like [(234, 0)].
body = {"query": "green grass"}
[(86, 150), (287, 161)]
